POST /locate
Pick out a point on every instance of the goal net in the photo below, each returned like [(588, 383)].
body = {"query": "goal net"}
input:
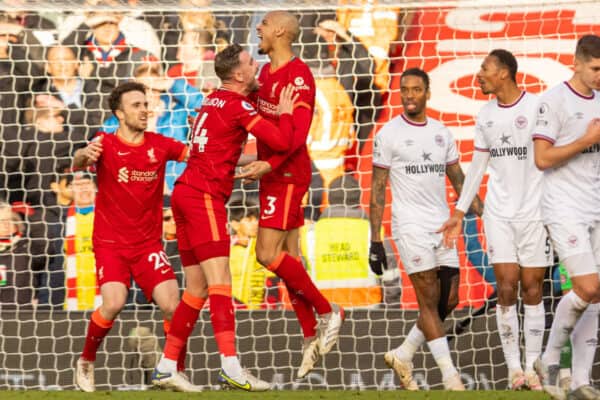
[(60, 59)]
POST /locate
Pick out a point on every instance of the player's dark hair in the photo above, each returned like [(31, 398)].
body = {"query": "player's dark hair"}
[(417, 72), (227, 60), (114, 100), (507, 60), (588, 46), (238, 209)]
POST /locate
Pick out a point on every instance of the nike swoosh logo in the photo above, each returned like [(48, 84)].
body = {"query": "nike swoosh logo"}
[(123, 153), (159, 375), (245, 386), (266, 216), (164, 271)]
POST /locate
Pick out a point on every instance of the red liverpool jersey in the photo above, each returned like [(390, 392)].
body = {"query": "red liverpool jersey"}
[(131, 179), (218, 135), (296, 167)]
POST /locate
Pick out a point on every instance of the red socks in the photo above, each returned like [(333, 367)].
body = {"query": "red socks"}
[(222, 318), (304, 313), (97, 330), (182, 325), (297, 280)]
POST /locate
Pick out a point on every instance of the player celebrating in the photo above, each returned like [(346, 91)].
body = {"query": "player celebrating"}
[(198, 203), (417, 152), (518, 244), (567, 149), (282, 190), (128, 221)]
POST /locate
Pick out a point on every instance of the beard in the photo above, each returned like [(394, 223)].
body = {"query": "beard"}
[(261, 51)]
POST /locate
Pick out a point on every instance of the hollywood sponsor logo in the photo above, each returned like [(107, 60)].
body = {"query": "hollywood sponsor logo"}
[(416, 169), (521, 122)]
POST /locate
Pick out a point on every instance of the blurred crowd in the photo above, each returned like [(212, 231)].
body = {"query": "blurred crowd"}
[(56, 70)]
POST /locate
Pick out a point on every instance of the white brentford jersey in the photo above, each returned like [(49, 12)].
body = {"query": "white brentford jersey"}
[(416, 156), (572, 190), (515, 184)]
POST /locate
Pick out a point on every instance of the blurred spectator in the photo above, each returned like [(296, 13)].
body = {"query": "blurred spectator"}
[(79, 97), (194, 20), (196, 56), (336, 248), (16, 74), (169, 104), (45, 146), (248, 277), (17, 266), (331, 132), (103, 50), (356, 71), (138, 32), (80, 266), (377, 27), (37, 33)]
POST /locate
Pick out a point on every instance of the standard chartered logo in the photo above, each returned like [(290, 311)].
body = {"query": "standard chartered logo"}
[(123, 175)]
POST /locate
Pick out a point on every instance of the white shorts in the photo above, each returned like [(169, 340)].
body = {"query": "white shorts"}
[(572, 239), (525, 243), (423, 251)]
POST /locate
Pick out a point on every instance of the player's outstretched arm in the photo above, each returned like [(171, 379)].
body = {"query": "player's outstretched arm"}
[(88, 155), (547, 155)]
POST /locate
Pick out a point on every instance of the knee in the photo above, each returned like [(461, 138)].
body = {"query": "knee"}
[(265, 255), (532, 293), (507, 293), (111, 307), (200, 291)]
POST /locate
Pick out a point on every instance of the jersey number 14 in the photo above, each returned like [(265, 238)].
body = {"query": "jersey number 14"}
[(200, 133)]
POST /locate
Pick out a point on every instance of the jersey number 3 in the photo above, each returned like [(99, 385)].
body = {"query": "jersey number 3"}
[(200, 133)]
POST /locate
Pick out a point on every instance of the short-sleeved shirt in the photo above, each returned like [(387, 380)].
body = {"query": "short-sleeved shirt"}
[(416, 155), (131, 179), (515, 183), (218, 134), (297, 168), (572, 190)]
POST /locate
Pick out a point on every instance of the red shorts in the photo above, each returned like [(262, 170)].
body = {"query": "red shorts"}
[(149, 266), (281, 205), (201, 223)]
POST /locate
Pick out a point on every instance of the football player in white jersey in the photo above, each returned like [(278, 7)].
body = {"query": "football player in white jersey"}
[(518, 244), (417, 153), (567, 149)]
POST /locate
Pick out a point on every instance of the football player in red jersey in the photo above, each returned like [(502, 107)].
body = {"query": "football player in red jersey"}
[(198, 204), (128, 221), (285, 181)]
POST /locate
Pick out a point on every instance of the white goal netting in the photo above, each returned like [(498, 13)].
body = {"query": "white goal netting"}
[(58, 62)]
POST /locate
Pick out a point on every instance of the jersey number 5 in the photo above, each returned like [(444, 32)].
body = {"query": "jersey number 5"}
[(200, 133)]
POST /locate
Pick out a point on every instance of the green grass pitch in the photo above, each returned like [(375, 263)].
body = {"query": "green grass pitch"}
[(276, 395)]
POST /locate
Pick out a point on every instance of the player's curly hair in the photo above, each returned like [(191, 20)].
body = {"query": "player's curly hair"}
[(507, 60), (227, 60), (114, 100), (417, 72)]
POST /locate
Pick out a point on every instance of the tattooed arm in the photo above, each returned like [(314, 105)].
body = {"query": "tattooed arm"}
[(377, 203)]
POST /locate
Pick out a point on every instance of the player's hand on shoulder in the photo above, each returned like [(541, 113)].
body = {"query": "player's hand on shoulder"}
[(287, 98), (254, 171), (450, 231), (377, 258), (93, 150)]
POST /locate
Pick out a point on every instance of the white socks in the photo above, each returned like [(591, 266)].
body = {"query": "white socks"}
[(411, 344), (232, 367), (533, 330), (508, 329), (166, 365), (567, 314), (584, 339), (441, 353)]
